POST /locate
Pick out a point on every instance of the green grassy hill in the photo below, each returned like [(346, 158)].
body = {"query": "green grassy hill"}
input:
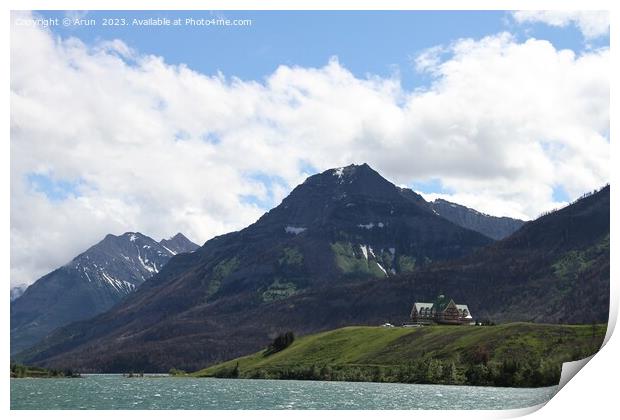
[(21, 371), (517, 354)]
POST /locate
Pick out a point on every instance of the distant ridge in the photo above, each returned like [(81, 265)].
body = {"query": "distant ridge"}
[(178, 244), (494, 227), (89, 284)]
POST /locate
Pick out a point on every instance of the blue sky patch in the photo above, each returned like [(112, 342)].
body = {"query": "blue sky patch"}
[(268, 181), (382, 43), (211, 138), (560, 194), (430, 186), (54, 189), (253, 200)]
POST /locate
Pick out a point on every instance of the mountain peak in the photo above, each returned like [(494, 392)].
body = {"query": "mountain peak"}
[(352, 179), (348, 195), (351, 170), (346, 172), (102, 275), (174, 245), (178, 244), (178, 237), (131, 236)]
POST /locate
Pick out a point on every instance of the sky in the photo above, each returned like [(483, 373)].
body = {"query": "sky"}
[(201, 129)]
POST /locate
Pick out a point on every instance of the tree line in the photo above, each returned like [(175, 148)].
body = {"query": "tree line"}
[(22, 371), (430, 371)]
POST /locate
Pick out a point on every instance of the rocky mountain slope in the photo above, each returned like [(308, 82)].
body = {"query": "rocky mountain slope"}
[(91, 283), (555, 269), (491, 226)]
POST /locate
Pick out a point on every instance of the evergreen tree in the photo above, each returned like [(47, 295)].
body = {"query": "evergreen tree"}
[(281, 342)]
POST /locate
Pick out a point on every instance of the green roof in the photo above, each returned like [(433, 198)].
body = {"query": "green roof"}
[(441, 302)]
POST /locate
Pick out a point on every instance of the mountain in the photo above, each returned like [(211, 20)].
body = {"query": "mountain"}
[(91, 283), (178, 244), (555, 269), (491, 226), (17, 291), (345, 225)]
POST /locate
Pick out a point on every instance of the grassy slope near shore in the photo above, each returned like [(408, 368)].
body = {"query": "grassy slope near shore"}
[(22, 371), (517, 354)]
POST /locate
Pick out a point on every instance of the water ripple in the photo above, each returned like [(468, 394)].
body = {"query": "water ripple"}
[(116, 392)]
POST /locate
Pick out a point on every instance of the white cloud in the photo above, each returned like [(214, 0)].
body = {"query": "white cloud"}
[(160, 148), (592, 24), (429, 58)]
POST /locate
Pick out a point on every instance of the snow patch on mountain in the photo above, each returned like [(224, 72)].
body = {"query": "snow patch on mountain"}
[(371, 252), (364, 251), (169, 250), (382, 269), (371, 225), (295, 230)]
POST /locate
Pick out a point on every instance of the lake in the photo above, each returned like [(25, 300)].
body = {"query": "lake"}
[(102, 392)]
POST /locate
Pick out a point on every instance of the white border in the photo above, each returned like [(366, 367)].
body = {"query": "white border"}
[(592, 392)]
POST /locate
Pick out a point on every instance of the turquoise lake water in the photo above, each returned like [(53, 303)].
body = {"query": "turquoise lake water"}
[(102, 392)]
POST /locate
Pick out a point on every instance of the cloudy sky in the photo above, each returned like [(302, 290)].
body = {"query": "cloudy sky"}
[(201, 130)]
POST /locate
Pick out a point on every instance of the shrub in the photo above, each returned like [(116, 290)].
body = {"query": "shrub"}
[(481, 355), (281, 342)]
